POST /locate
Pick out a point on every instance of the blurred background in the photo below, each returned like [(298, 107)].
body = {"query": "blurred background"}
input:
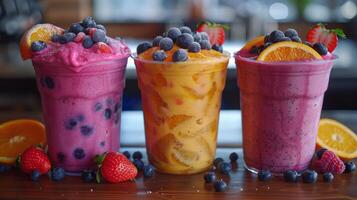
[(138, 20)]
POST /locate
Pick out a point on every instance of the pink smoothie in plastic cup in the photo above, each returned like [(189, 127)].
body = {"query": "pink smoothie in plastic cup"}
[(81, 91), (281, 104)]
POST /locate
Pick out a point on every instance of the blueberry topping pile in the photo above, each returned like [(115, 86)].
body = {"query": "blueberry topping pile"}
[(291, 176), (148, 171), (309, 176), (184, 38), (209, 177), (137, 155), (327, 177), (264, 175), (139, 164), (289, 35), (350, 167), (57, 174), (38, 46), (220, 186)]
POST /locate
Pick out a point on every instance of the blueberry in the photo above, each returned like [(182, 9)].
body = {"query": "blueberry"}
[(38, 46), (194, 47), (87, 42), (209, 177), (57, 174), (205, 44), (166, 44), (173, 33), (233, 157), (156, 41), (291, 176), (327, 177), (276, 36), (320, 48), (254, 50), (266, 38), (89, 22), (218, 48), (204, 36), (217, 162), (61, 157), (126, 154), (35, 175), (296, 39), (4, 168), (225, 168), (320, 152), (102, 143), (49, 82), (264, 175), (185, 29), (309, 176), (291, 33), (99, 36), (71, 124), (220, 186), (284, 39), (76, 28), (86, 130), (184, 40), (88, 176), (350, 167), (55, 38), (179, 55), (67, 37), (197, 37), (137, 155), (139, 164), (148, 170), (143, 47), (308, 43), (159, 55), (79, 154), (101, 27), (98, 106), (107, 113)]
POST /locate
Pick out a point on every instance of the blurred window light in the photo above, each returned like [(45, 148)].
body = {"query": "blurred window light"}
[(317, 12), (279, 11), (348, 9)]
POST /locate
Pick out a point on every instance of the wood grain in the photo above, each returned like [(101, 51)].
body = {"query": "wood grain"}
[(242, 185)]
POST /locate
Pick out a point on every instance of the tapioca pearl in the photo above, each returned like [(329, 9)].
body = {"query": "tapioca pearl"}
[(108, 113), (61, 157), (80, 118), (49, 82), (102, 143), (86, 130), (98, 106), (79, 153), (71, 124)]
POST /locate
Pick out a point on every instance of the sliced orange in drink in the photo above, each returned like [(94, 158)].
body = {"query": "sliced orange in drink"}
[(39, 32), (17, 135), (258, 41), (288, 51), (338, 138)]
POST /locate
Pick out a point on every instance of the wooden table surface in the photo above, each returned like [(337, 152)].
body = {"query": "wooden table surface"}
[(241, 185)]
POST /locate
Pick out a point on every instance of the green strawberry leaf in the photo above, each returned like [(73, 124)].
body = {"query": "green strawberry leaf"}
[(18, 161), (339, 32), (98, 159), (213, 24), (98, 176)]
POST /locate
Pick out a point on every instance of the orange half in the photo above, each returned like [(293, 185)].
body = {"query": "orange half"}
[(258, 41), (288, 51), (338, 138), (17, 135), (39, 32)]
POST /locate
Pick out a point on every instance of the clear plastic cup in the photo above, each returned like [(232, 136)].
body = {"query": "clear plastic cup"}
[(181, 103), (81, 110), (281, 106)]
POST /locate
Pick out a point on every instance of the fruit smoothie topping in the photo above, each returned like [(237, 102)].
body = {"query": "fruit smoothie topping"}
[(181, 44), (84, 42), (279, 46)]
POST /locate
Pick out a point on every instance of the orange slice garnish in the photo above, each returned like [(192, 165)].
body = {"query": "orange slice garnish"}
[(17, 135), (258, 41), (338, 138), (39, 32), (288, 51)]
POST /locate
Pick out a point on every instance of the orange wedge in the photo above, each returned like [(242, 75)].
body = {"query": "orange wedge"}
[(258, 41), (39, 32), (17, 135), (288, 51), (338, 138)]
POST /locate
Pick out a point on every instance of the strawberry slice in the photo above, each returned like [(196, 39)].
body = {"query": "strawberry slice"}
[(214, 31), (329, 37)]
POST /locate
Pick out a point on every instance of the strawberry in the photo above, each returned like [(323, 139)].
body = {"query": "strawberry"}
[(328, 37), (115, 167), (214, 31), (329, 162), (103, 47), (34, 158), (79, 38)]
